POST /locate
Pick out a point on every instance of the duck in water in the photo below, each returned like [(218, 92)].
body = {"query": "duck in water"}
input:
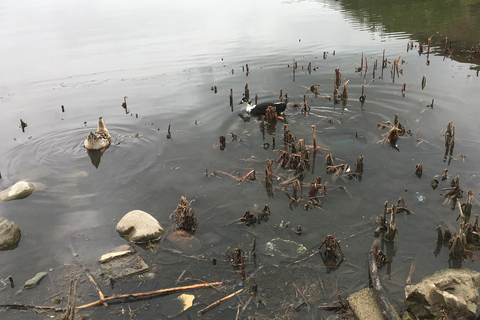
[(261, 108), (100, 139)]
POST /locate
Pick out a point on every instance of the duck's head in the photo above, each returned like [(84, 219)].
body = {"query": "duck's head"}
[(248, 103), (101, 126), (245, 101)]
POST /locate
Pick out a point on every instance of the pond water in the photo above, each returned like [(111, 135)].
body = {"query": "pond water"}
[(165, 57)]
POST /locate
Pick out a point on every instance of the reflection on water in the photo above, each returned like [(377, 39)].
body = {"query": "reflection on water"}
[(458, 22), (88, 56)]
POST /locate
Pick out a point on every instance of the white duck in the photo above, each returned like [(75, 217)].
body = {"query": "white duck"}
[(100, 139)]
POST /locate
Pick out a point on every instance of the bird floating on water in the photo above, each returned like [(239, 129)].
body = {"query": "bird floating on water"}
[(261, 109), (100, 139)]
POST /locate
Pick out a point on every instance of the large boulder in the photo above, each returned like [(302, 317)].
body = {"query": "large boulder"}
[(9, 234), (19, 190), (139, 226), (453, 291)]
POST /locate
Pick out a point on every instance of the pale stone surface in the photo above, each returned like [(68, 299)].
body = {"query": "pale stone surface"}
[(19, 190), (9, 233), (365, 305), (453, 290), (35, 281), (139, 226)]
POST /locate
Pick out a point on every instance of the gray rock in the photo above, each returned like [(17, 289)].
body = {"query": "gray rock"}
[(9, 233), (19, 190), (453, 290), (35, 281), (139, 226)]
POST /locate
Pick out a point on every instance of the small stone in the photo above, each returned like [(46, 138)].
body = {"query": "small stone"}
[(9, 234), (35, 281), (139, 226), (19, 190)]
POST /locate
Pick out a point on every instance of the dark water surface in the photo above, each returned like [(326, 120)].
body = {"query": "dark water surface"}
[(165, 57)]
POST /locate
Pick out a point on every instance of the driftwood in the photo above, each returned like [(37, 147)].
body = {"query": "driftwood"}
[(119, 297), (387, 308)]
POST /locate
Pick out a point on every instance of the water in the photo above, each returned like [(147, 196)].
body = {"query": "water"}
[(165, 57)]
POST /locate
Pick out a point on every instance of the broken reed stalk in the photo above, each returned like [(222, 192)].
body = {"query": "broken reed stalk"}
[(392, 229), (314, 139), (216, 303), (338, 76), (231, 97), (269, 174), (467, 206), (345, 90), (169, 133), (271, 114), (222, 142), (23, 125), (247, 92), (89, 275), (380, 291), (363, 97)]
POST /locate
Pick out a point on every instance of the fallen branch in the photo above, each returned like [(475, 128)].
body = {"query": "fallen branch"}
[(123, 296), (216, 303), (388, 311), (90, 277)]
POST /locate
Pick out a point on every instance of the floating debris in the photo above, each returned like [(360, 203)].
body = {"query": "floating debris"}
[(359, 165), (222, 142), (392, 230), (23, 125), (449, 142), (169, 133), (418, 170), (184, 216), (332, 251)]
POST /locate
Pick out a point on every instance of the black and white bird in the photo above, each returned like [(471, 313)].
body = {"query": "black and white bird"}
[(261, 109)]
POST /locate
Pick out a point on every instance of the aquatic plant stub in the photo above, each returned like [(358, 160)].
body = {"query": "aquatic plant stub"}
[(139, 226), (19, 190), (9, 234)]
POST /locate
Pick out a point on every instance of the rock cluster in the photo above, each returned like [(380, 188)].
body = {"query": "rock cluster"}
[(451, 291)]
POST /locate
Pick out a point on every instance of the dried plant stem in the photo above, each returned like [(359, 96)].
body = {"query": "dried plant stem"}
[(216, 303), (90, 277)]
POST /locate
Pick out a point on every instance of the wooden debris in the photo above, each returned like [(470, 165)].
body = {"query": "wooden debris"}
[(380, 291), (440, 237), (23, 125), (338, 77), (184, 216), (392, 230), (249, 218), (216, 303), (457, 249), (359, 165), (418, 170), (169, 133), (269, 177), (247, 92), (222, 142), (332, 248)]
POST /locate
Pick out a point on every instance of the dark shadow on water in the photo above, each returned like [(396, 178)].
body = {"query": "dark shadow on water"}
[(95, 156)]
